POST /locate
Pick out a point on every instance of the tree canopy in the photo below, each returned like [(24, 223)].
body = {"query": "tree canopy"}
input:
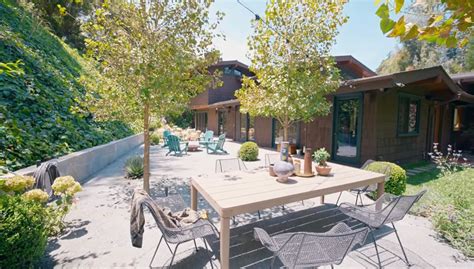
[(290, 56), (155, 57), (444, 22)]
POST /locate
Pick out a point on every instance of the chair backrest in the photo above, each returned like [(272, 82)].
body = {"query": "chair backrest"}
[(366, 164), (315, 249), (173, 143), (229, 165), (271, 159), (399, 207), (208, 135), (166, 133), (220, 142)]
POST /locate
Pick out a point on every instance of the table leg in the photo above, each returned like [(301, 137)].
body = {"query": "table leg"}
[(225, 242), (322, 199), (380, 192), (194, 197)]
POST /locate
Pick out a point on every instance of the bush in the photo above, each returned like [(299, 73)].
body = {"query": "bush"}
[(24, 228), (134, 167), (398, 179), (248, 151), (155, 138)]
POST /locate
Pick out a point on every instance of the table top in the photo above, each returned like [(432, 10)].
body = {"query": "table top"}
[(240, 192)]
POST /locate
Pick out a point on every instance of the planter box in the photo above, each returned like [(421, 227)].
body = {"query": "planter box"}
[(83, 164)]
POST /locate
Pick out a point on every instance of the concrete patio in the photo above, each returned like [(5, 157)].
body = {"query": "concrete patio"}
[(99, 235)]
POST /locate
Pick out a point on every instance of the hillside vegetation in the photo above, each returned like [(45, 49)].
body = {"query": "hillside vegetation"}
[(41, 112)]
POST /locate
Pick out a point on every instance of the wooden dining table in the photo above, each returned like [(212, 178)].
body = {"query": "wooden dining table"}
[(235, 193)]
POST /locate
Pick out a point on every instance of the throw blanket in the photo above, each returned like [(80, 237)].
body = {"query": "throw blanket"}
[(45, 175), (163, 217)]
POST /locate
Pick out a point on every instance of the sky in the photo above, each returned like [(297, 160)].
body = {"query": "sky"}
[(360, 36)]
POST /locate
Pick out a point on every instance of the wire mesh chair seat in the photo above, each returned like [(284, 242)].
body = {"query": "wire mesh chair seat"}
[(271, 158), (304, 249), (359, 191), (387, 209), (229, 165), (200, 229)]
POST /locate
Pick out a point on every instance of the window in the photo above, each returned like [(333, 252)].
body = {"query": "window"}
[(293, 132), (232, 72), (201, 121), (408, 115), (247, 128)]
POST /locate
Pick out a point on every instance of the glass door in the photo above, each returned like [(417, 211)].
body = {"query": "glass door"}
[(347, 128), (221, 122)]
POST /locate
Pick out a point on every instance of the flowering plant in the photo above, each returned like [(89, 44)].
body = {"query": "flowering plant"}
[(449, 163), (36, 195), (16, 184)]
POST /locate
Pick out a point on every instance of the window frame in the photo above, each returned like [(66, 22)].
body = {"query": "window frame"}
[(417, 99)]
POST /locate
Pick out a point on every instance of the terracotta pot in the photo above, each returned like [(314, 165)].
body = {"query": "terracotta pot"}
[(323, 170)]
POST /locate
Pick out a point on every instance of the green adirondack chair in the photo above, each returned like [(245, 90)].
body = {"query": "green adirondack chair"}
[(175, 145), (207, 138), (216, 146), (166, 133)]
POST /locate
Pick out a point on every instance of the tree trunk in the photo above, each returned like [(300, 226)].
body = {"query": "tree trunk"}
[(285, 132), (146, 149)]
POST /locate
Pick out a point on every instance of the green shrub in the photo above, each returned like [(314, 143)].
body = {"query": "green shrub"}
[(248, 151), (134, 167), (398, 178), (24, 228), (155, 138)]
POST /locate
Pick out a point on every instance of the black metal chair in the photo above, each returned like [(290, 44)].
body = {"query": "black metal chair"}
[(370, 188), (387, 209), (229, 165), (304, 249), (177, 236), (271, 158)]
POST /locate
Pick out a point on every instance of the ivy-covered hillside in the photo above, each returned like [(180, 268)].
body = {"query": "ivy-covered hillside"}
[(41, 112)]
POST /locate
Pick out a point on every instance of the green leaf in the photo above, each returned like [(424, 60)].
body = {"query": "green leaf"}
[(386, 25), (412, 33), (399, 28), (383, 11), (399, 5), (451, 41)]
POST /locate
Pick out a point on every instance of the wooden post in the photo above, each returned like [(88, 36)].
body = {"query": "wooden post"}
[(225, 242), (193, 198), (380, 192)]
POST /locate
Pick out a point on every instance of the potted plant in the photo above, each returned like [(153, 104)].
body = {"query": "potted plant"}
[(321, 156)]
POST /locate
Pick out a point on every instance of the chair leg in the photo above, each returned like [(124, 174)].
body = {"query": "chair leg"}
[(376, 249), (357, 198), (208, 252), (168, 246), (259, 217), (361, 195), (400, 242), (339, 197), (174, 254), (195, 245), (156, 250), (273, 261)]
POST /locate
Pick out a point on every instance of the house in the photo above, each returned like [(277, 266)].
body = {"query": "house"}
[(395, 117)]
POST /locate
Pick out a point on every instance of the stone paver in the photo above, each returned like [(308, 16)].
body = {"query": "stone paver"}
[(99, 235)]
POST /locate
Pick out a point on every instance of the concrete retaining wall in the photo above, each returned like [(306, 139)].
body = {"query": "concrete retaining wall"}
[(83, 164)]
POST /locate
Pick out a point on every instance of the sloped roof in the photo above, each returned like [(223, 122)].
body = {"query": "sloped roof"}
[(434, 74)]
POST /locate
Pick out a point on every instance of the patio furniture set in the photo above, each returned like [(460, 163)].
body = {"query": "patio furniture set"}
[(179, 147), (234, 190)]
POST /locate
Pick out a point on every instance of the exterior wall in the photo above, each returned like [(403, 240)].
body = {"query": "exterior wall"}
[(263, 132), (390, 146), (212, 120), (201, 99), (226, 92), (231, 125), (317, 133), (368, 148)]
